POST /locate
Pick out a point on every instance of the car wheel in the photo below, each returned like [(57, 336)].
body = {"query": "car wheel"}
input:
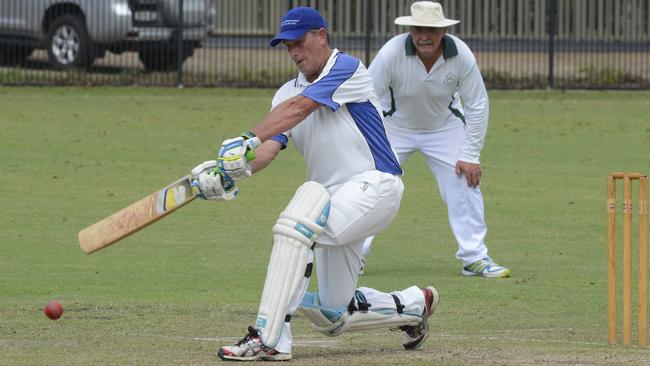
[(68, 43)]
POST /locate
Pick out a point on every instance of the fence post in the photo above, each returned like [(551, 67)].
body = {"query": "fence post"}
[(552, 14), (368, 30), (179, 44)]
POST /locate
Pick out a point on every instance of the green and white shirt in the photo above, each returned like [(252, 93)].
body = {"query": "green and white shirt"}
[(450, 95)]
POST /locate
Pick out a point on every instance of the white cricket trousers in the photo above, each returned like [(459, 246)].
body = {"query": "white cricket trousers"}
[(363, 206), (465, 211)]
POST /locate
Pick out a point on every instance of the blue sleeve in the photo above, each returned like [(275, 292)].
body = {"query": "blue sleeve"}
[(322, 91)]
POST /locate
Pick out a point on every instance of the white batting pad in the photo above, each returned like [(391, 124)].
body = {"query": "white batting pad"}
[(377, 311), (287, 276)]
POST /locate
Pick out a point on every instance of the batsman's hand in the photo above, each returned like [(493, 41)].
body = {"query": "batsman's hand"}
[(235, 155), (472, 172), (211, 184)]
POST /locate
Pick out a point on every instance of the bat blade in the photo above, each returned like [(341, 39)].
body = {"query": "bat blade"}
[(137, 216)]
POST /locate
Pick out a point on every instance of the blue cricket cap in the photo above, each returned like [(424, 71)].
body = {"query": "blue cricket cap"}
[(296, 22)]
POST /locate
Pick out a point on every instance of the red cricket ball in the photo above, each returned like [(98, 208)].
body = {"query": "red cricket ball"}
[(53, 310)]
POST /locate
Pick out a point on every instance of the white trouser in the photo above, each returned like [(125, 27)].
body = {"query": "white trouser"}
[(441, 150), (361, 207)]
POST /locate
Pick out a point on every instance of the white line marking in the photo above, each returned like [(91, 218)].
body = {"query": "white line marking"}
[(498, 336), (297, 343)]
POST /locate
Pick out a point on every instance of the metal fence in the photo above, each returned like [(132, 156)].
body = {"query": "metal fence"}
[(518, 43)]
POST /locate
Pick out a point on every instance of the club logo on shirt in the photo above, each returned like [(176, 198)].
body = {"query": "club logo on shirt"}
[(450, 78)]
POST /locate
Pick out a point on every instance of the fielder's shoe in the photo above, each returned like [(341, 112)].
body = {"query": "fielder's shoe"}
[(486, 268), (251, 348), (416, 334)]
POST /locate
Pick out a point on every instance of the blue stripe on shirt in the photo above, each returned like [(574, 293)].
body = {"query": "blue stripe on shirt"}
[(322, 91), (369, 122)]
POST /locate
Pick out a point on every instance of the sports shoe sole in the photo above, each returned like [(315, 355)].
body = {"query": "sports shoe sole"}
[(501, 274), (259, 357)]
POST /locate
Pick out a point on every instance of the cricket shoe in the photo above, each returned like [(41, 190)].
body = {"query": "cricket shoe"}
[(416, 334), (251, 348), (486, 268)]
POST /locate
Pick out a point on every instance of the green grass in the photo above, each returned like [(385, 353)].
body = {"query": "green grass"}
[(173, 293)]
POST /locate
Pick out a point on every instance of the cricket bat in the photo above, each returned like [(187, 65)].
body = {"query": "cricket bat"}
[(137, 216)]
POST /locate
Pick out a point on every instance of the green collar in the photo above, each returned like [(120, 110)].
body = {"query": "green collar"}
[(449, 49)]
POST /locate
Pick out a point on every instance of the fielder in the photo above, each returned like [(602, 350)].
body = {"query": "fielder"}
[(353, 191), (435, 102)]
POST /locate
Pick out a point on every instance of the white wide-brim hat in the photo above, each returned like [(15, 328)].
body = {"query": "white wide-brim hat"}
[(426, 14)]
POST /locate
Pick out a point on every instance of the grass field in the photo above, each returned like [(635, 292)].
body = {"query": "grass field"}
[(173, 293)]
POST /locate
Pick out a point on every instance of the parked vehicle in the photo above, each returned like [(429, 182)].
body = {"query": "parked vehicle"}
[(76, 32)]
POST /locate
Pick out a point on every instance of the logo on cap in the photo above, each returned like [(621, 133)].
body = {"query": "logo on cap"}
[(287, 22)]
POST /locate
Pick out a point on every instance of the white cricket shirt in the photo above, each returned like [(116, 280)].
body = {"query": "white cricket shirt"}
[(452, 93), (346, 136)]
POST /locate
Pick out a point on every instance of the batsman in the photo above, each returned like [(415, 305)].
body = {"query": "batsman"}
[(353, 191)]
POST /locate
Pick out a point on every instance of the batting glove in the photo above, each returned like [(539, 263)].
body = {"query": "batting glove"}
[(211, 184), (235, 155)]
